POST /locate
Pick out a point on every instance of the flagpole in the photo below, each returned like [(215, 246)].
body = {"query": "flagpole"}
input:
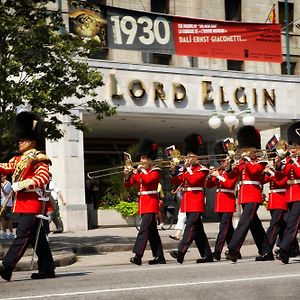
[(287, 37), (270, 13)]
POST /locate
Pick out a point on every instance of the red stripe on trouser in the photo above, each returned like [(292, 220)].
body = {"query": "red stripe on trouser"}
[(222, 242), (24, 246), (243, 239), (273, 230), (144, 243)]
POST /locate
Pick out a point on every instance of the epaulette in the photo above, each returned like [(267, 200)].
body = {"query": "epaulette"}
[(41, 157)]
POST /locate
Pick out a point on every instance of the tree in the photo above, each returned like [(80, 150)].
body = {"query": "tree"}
[(44, 64)]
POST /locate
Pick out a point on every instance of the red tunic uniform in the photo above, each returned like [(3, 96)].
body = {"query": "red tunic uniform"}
[(192, 187), (147, 182), (225, 194), (251, 176), (291, 169), (277, 192), (34, 177)]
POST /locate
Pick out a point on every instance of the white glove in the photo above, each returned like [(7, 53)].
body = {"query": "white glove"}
[(15, 187)]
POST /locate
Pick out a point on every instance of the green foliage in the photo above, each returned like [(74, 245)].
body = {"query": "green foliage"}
[(42, 63), (127, 209), (109, 200)]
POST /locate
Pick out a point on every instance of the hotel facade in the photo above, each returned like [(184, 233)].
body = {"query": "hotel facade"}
[(166, 97)]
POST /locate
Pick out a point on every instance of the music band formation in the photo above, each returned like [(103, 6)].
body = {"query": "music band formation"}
[(238, 180), (242, 174)]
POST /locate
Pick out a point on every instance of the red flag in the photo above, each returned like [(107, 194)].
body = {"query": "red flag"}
[(272, 15)]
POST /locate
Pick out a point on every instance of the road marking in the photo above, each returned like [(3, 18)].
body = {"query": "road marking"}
[(152, 287)]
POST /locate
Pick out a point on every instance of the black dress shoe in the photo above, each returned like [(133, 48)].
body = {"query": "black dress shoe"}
[(217, 255), (136, 260), (231, 255), (283, 256), (177, 255), (5, 272), (157, 260), (265, 257), (42, 275), (205, 259)]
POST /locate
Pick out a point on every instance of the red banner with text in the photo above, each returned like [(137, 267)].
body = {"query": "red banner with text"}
[(227, 40)]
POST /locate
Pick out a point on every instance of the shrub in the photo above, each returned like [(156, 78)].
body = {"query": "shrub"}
[(127, 209)]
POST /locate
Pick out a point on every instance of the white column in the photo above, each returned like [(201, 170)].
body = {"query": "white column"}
[(68, 172)]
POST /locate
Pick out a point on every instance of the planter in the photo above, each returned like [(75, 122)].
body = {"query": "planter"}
[(111, 218)]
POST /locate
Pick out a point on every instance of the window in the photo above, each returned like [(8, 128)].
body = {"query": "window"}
[(235, 65), (281, 10), (233, 10), (284, 68), (161, 6), (156, 58)]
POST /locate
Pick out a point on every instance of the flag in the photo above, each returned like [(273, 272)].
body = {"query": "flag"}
[(271, 144), (169, 150), (272, 15)]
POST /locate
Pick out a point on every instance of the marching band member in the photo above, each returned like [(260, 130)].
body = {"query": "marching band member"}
[(30, 173), (290, 167), (225, 178), (147, 178), (192, 178), (277, 204), (250, 197)]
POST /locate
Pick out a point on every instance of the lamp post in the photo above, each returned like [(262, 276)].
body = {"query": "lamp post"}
[(231, 119)]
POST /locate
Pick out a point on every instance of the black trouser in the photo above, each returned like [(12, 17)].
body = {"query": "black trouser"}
[(277, 226), (148, 231), (25, 236), (292, 226), (225, 231), (194, 231), (250, 220)]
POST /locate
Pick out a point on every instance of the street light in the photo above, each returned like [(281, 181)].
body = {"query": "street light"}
[(231, 119)]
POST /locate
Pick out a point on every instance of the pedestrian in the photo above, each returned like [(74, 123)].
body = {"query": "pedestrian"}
[(250, 197), (181, 217), (225, 178), (290, 167), (30, 174), (7, 212), (147, 178), (55, 194), (192, 178), (161, 213)]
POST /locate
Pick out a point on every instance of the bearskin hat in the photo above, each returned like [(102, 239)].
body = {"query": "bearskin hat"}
[(148, 148), (194, 143), (219, 148), (249, 137), (29, 126), (293, 133)]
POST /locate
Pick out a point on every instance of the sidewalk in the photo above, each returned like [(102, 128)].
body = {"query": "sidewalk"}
[(104, 241)]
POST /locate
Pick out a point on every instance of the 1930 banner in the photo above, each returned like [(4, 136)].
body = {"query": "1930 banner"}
[(119, 28)]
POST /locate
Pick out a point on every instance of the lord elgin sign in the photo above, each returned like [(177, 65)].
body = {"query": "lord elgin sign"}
[(209, 93)]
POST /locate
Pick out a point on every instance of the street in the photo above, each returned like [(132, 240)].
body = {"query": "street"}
[(88, 279)]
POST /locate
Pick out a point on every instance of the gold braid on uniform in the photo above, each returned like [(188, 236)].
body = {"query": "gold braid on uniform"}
[(31, 156)]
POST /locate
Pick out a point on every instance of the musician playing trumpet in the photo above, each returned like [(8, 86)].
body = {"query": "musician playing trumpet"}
[(250, 197), (290, 167), (192, 178), (147, 177), (225, 178)]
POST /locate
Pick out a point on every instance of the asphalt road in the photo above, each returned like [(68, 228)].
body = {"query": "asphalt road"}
[(88, 279)]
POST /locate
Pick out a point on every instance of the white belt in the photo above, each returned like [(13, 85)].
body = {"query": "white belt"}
[(147, 193), (225, 191), (251, 182), (277, 191), (294, 181), (188, 189)]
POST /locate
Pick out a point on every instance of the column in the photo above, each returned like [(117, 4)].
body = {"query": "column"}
[(68, 172)]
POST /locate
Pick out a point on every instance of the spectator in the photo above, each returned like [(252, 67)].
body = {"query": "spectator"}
[(6, 214)]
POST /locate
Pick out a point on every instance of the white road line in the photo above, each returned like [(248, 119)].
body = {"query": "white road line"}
[(152, 287)]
